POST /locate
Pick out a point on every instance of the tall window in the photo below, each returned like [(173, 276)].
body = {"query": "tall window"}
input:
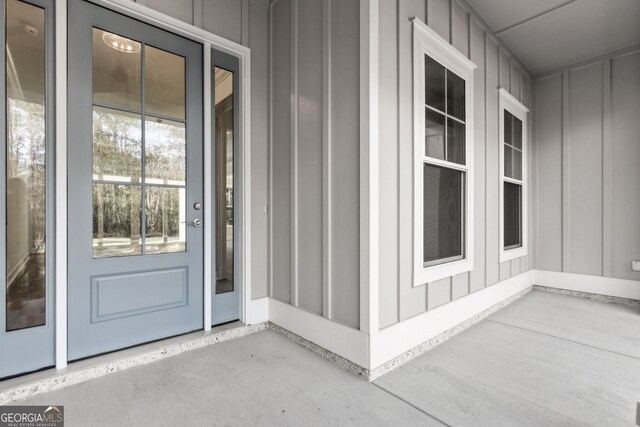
[(443, 80), (513, 187)]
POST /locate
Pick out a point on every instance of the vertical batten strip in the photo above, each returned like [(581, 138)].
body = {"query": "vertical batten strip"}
[(270, 153), (294, 151), (607, 169), (61, 183), (208, 193), (197, 15), (326, 159), (244, 22), (486, 177), (369, 183), (566, 174)]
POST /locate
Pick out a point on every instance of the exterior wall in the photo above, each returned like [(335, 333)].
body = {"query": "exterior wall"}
[(456, 22), (587, 166), (244, 22), (314, 157)]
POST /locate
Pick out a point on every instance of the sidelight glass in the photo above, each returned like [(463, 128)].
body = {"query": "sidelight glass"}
[(26, 156), (443, 214), (225, 185), (117, 70), (165, 230), (165, 152), (164, 78), (117, 145)]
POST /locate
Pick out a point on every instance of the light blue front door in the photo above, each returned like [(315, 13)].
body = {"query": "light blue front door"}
[(135, 182)]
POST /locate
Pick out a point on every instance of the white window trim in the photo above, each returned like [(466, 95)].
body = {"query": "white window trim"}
[(428, 42), (512, 105)]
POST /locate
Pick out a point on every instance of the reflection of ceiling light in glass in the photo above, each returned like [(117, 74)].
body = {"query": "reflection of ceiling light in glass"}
[(121, 44), (31, 30)]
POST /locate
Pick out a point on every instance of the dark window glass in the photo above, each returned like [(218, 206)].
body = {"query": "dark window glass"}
[(434, 134), (508, 127), (455, 96), (512, 215), (434, 84), (508, 161), (517, 164), (517, 133), (455, 142), (443, 213)]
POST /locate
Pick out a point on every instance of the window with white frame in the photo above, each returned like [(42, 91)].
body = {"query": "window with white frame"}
[(513, 173), (443, 173)]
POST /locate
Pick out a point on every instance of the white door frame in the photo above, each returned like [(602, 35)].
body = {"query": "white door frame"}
[(209, 41)]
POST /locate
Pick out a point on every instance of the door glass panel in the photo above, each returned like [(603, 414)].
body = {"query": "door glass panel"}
[(165, 229), (25, 165), (116, 220), (117, 145), (224, 179), (164, 75), (117, 70), (155, 198), (165, 152)]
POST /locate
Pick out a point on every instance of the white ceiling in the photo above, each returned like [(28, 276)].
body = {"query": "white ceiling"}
[(549, 34)]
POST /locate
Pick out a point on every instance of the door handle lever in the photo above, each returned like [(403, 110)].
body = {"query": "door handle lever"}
[(195, 223)]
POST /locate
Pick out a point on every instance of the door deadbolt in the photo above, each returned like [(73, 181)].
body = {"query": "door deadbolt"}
[(197, 206)]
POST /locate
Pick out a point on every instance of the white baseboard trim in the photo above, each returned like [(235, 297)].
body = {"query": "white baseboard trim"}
[(257, 311), (393, 342), (608, 286), (342, 340)]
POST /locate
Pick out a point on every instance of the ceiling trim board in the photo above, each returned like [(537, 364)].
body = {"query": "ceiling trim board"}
[(475, 15), (533, 18), (589, 61)]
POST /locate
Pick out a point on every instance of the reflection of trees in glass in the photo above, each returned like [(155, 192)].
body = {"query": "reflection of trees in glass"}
[(117, 149), (26, 159), (165, 150), (117, 145), (117, 207), (162, 212)]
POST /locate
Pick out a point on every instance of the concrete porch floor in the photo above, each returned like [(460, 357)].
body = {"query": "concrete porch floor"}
[(546, 359)]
